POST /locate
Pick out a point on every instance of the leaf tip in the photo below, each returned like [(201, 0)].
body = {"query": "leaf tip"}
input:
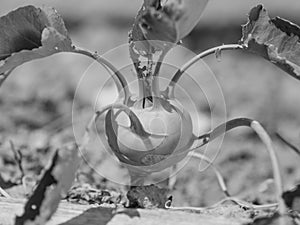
[(255, 11)]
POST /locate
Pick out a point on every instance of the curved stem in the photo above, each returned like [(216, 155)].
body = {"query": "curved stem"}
[(117, 83), (290, 145), (86, 136), (260, 131), (136, 126), (173, 178), (141, 88), (274, 160), (120, 77), (221, 129), (239, 202), (4, 76), (159, 63), (155, 81), (220, 178), (4, 193), (187, 65), (135, 122)]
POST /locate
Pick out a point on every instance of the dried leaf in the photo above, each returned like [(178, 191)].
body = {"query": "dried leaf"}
[(274, 219), (276, 39), (292, 198), (30, 33), (54, 185)]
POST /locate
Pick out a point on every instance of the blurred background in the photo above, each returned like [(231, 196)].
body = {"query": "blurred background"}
[(36, 100)]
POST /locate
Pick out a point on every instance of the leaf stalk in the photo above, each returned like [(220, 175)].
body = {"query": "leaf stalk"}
[(195, 59)]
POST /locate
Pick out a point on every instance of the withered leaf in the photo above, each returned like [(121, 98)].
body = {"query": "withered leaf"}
[(274, 219), (277, 40), (292, 198), (29, 33), (54, 185)]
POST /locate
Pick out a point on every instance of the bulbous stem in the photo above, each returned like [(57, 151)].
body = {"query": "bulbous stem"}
[(136, 178)]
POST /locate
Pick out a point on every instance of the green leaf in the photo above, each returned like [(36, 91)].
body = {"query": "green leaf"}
[(152, 23), (158, 25), (168, 22), (277, 40), (138, 43), (30, 33)]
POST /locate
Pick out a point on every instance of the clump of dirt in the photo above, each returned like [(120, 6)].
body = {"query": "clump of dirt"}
[(86, 194), (149, 196)]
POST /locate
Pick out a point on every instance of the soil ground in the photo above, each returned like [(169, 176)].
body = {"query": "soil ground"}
[(36, 108)]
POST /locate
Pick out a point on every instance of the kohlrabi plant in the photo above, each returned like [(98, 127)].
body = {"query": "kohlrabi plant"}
[(160, 131)]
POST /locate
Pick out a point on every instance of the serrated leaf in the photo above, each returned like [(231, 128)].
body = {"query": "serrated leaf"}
[(30, 33), (53, 186), (277, 40)]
